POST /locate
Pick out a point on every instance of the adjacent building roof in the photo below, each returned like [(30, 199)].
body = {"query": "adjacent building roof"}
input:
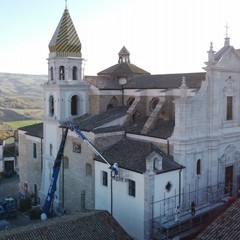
[(162, 129), (226, 226), (88, 226), (166, 81), (89, 122), (65, 38), (35, 130), (131, 154), (122, 69), (144, 81)]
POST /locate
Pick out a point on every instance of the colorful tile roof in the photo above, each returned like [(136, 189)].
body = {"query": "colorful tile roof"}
[(65, 39)]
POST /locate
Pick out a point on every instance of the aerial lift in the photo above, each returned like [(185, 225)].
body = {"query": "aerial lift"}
[(47, 207)]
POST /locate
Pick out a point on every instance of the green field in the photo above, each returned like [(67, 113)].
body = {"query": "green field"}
[(18, 124)]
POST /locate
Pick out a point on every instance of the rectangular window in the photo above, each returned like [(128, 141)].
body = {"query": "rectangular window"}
[(34, 150), (77, 148), (131, 188), (104, 178), (229, 108), (65, 162)]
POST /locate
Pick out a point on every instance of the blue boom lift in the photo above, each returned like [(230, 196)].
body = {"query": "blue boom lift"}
[(47, 207)]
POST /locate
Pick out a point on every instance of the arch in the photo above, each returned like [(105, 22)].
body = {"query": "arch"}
[(153, 103), (74, 73), (198, 167), (51, 73), (112, 103), (62, 73), (51, 105), (74, 105)]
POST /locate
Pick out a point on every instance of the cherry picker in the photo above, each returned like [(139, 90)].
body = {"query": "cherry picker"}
[(47, 207)]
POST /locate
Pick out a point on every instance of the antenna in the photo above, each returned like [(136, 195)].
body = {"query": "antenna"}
[(65, 4)]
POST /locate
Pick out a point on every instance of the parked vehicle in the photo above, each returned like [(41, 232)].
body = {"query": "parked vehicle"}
[(8, 208)]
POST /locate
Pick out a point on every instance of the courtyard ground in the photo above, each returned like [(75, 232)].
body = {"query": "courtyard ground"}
[(9, 187)]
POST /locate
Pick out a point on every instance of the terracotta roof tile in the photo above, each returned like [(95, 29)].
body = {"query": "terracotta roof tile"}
[(85, 226)]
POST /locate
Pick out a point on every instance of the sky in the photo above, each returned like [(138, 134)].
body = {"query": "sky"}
[(162, 36)]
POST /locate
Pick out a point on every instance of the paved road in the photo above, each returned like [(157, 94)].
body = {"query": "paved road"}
[(9, 187)]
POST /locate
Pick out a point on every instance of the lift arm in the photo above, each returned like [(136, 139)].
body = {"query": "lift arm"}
[(53, 182), (89, 144), (57, 164)]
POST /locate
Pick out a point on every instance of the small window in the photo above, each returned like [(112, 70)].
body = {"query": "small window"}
[(51, 106), (61, 73), (74, 73), (65, 162), (50, 149), (51, 72), (198, 167), (229, 108), (77, 148), (88, 169), (104, 178), (34, 150), (131, 188)]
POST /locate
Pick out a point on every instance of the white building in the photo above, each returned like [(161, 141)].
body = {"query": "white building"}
[(175, 137)]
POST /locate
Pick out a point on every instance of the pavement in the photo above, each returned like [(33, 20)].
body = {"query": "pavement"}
[(9, 187)]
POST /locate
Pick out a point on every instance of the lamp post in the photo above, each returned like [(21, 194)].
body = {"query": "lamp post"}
[(122, 81)]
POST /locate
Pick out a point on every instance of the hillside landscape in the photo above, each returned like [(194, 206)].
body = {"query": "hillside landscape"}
[(21, 100)]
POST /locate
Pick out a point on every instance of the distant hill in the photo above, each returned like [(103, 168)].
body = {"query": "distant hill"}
[(21, 91)]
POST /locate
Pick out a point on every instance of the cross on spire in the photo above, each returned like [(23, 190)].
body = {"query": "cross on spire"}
[(227, 27)]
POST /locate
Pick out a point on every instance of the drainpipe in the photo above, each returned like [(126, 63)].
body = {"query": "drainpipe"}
[(179, 200)]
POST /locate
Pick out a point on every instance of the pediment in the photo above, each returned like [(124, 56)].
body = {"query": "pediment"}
[(229, 59)]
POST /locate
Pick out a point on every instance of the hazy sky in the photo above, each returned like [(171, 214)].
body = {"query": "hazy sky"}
[(163, 36)]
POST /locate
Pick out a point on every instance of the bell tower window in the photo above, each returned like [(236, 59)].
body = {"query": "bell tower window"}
[(229, 108), (62, 73), (51, 73), (74, 105), (74, 73), (51, 106)]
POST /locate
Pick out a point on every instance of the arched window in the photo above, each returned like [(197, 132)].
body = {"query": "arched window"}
[(74, 73), (74, 105), (153, 104), (51, 106), (51, 72), (88, 169), (198, 167), (130, 101), (61, 73), (113, 103)]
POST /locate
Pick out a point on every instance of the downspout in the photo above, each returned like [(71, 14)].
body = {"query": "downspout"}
[(180, 183)]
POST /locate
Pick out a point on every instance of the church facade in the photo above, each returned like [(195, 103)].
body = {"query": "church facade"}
[(175, 137)]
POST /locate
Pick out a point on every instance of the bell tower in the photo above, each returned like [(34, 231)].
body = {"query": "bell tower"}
[(66, 94)]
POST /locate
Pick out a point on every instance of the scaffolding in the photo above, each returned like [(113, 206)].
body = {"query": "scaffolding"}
[(181, 215)]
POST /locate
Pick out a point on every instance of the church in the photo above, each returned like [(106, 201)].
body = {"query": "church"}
[(175, 137)]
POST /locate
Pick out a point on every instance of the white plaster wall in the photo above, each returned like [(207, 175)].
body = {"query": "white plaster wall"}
[(160, 193), (127, 210)]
